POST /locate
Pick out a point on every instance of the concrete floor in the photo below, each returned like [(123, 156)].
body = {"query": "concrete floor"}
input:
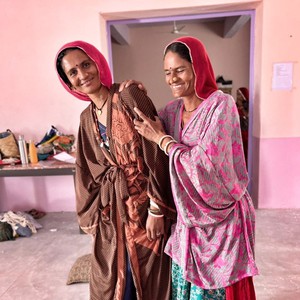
[(37, 267)]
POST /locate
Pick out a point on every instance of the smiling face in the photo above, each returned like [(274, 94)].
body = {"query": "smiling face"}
[(179, 75), (82, 72)]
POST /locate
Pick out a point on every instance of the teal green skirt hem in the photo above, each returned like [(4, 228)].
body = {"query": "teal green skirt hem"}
[(184, 290)]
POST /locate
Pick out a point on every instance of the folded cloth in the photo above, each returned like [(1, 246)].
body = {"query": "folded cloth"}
[(16, 220), (23, 231), (31, 219)]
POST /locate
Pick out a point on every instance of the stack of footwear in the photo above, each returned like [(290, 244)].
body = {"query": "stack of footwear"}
[(222, 83)]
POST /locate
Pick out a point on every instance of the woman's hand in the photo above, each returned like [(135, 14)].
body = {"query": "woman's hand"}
[(151, 130), (126, 83), (155, 227)]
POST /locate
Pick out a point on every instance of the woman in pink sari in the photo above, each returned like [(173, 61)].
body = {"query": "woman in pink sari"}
[(212, 243)]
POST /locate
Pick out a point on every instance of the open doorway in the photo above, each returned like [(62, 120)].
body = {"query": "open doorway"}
[(136, 47)]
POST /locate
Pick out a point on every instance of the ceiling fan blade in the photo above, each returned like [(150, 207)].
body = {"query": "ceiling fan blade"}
[(177, 30)]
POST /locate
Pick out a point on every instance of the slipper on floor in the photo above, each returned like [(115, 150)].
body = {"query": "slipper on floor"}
[(36, 213)]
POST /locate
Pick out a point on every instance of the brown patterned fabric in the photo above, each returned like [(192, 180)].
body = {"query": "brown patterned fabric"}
[(113, 190)]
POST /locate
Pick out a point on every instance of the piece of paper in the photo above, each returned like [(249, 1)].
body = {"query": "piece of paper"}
[(282, 76), (64, 156)]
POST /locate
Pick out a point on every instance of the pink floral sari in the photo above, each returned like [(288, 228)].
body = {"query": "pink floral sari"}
[(213, 240)]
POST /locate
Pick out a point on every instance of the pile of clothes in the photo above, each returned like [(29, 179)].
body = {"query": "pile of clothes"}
[(17, 224)]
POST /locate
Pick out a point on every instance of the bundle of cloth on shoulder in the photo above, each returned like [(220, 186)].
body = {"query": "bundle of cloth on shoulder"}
[(19, 224)]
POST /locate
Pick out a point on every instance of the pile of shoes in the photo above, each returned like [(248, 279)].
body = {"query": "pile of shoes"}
[(222, 83)]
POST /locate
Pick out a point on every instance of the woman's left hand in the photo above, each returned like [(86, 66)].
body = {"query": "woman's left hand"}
[(151, 130)]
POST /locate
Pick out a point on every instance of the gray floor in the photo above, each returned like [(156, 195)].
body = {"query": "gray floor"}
[(37, 267)]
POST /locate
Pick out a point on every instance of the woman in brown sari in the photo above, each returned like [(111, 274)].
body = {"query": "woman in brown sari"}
[(123, 194)]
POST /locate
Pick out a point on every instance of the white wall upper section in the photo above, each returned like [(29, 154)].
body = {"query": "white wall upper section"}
[(120, 9)]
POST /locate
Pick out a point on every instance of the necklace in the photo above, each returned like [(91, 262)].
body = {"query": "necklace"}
[(189, 111), (99, 110)]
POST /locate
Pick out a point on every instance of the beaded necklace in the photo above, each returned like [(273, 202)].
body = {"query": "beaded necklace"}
[(100, 130)]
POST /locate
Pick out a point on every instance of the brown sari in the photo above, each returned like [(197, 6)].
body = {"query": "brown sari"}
[(112, 195)]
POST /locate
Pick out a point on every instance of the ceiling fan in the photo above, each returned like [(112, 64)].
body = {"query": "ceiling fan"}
[(177, 30)]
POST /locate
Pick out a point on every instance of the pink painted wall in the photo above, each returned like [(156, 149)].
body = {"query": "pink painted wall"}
[(279, 179), (32, 99), (49, 193), (276, 112)]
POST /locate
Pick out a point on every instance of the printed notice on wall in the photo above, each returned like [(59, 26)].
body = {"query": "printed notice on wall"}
[(282, 76)]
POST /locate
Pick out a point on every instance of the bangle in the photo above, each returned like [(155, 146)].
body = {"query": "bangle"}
[(152, 203), (154, 215), (167, 145), (161, 139)]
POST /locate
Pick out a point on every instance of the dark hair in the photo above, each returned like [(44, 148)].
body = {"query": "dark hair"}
[(181, 49), (59, 67)]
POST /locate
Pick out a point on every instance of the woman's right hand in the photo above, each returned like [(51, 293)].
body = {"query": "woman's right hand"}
[(151, 130), (126, 83)]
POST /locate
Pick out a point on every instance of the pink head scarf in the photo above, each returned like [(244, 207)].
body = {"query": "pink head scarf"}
[(94, 54), (205, 83)]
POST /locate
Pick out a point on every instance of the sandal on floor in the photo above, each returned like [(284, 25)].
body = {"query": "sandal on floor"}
[(36, 214)]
